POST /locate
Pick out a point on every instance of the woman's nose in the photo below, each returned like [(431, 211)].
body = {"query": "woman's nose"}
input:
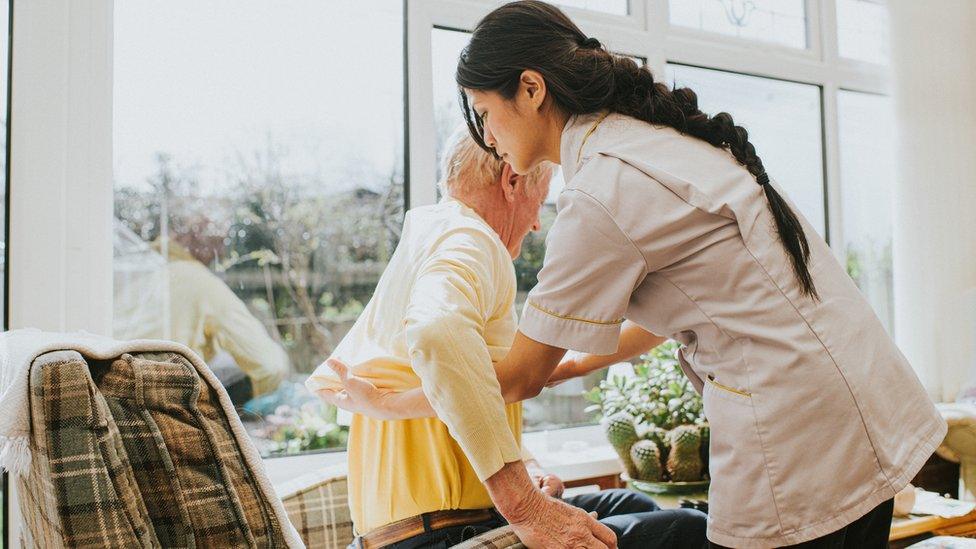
[(489, 138)]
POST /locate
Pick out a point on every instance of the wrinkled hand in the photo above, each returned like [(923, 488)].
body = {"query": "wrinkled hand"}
[(358, 395), (553, 523)]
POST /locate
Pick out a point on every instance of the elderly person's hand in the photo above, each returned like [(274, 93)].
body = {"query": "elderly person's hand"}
[(556, 523), (358, 395), (542, 521)]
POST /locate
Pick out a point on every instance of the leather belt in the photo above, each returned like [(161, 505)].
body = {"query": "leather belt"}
[(414, 526)]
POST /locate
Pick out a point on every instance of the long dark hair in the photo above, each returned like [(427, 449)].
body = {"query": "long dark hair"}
[(583, 77)]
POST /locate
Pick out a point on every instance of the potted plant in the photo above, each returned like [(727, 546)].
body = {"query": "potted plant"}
[(654, 421)]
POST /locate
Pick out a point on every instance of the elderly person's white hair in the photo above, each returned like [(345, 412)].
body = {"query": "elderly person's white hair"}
[(466, 167)]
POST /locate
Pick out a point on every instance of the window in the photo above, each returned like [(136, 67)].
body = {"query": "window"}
[(781, 22), (862, 30), (259, 189), (867, 171), (262, 115), (784, 121), (615, 7)]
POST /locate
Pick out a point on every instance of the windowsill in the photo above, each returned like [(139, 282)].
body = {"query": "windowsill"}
[(572, 454)]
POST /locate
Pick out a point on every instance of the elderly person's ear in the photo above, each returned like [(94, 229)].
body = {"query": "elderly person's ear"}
[(509, 182)]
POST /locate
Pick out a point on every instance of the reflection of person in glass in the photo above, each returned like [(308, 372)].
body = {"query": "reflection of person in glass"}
[(441, 313), (669, 219), (179, 299)]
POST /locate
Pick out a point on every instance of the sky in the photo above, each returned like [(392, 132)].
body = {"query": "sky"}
[(206, 81)]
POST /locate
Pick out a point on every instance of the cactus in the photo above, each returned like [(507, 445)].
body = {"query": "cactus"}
[(647, 460), (684, 462), (622, 434), (658, 436)]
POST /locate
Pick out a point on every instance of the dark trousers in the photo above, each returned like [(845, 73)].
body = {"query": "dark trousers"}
[(868, 532), (638, 522)]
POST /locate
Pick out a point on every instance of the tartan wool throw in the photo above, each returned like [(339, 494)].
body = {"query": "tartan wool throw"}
[(129, 444)]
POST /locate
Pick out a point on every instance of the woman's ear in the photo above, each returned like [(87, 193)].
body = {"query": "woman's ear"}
[(509, 182), (533, 85)]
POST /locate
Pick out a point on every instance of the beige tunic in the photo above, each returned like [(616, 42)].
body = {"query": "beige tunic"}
[(816, 416)]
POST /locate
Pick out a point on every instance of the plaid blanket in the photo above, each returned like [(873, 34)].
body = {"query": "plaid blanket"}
[(96, 499), (152, 465), (129, 447), (158, 377)]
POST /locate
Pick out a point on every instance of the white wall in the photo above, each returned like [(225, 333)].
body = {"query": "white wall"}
[(934, 60), (60, 236), (61, 170)]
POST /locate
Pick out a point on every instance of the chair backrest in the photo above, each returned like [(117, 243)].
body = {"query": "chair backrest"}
[(320, 512), (136, 451), (318, 506)]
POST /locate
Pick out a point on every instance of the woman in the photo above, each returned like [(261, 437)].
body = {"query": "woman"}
[(669, 220)]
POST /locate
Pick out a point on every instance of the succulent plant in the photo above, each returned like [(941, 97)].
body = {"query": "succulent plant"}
[(655, 413), (622, 434), (658, 394), (684, 462), (647, 461)]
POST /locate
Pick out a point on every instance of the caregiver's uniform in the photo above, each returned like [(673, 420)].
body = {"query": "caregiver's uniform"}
[(816, 417)]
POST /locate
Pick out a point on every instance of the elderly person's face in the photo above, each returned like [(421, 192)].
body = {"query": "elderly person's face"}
[(509, 205), (523, 210), (507, 201)]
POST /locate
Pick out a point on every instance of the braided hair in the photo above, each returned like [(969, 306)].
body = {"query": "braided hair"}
[(583, 77)]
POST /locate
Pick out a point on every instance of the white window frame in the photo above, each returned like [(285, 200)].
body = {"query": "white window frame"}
[(61, 185)]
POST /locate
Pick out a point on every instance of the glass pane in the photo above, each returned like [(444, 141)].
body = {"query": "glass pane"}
[(616, 7), (862, 30), (867, 170), (784, 123), (782, 22), (258, 189), (561, 406)]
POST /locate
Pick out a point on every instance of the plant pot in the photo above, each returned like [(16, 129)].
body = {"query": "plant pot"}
[(676, 488)]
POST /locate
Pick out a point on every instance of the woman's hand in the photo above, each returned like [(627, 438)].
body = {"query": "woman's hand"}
[(357, 395), (567, 369), (550, 484)]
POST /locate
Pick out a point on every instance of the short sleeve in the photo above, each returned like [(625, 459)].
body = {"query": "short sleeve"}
[(591, 269)]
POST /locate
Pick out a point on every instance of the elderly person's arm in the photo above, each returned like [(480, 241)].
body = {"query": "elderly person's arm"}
[(451, 300), (449, 304)]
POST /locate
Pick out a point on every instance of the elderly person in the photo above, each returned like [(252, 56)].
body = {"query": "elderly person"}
[(441, 315)]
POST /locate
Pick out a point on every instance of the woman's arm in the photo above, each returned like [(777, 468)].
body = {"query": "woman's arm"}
[(528, 367), (634, 341), (521, 375)]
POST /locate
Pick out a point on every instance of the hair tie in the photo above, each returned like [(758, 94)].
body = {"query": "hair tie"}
[(590, 43), (762, 179)]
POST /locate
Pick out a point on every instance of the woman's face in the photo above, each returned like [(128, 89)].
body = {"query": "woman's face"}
[(519, 129)]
